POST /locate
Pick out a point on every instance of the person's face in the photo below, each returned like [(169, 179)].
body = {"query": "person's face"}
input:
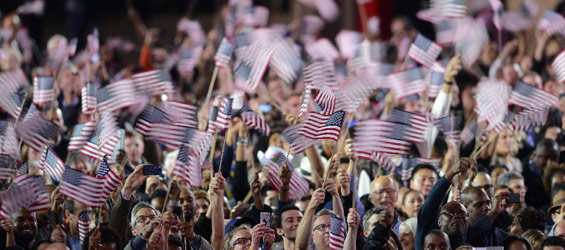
[(545, 154), (68, 78), (201, 206), (412, 204), (488, 54), (142, 218), (321, 230), (467, 99), (423, 181), (80, 165), (384, 193), (401, 192), (134, 148), (413, 106), (241, 240), (373, 221), (453, 219), (518, 186), (25, 226), (504, 143), (436, 242), (289, 220), (158, 203), (275, 89), (495, 173), (292, 104), (478, 206), (559, 230), (484, 182), (187, 202), (406, 239), (509, 75), (517, 245)]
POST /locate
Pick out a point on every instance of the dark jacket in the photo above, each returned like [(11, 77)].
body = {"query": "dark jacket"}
[(485, 234)]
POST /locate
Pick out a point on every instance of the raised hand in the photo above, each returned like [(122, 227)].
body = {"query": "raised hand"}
[(317, 199), (261, 231), (285, 175), (460, 167), (94, 240), (344, 181), (453, 67), (352, 219), (134, 181), (218, 184), (350, 150)]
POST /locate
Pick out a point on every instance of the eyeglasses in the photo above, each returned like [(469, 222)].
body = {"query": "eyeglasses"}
[(388, 191), (142, 218), (241, 241), (463, 215), (322, 227)]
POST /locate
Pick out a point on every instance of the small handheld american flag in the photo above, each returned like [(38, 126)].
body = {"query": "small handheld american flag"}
[(298, 186), (116, 95), (7, 170), (43, 90), (408, 82), (52, 164), (317, 126), (530, 97), (377, 157), (37, 131), (14, 199), (337, 232), (187, 167), (224, 53), (149, 116), (40, 200), (424, 51), (183, 113), (297, 142), (12, 103), (89, 98), (435, 80), (83, 225), (552, 23), (224, 114), (155, 82), (111, 179), (82, 188)]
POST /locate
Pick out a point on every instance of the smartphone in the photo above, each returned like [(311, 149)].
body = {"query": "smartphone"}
[(152, 170), (265, 108), (513, 199), (265, 218)]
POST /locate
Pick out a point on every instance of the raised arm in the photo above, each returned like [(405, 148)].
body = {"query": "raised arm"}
[(352, 223), (217, 185), (304, 231)]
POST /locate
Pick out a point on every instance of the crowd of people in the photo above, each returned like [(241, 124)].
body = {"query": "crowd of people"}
[(495, 179)]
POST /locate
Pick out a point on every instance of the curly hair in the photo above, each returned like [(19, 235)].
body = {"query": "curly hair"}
[(531, 218)]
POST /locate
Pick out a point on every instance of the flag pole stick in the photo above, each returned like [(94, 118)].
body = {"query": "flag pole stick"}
[(211, 86), (212, 151)]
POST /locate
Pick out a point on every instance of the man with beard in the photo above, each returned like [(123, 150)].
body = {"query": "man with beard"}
[(428, 216), (384, 193), (186, 226), (481, 216), (288, 219)]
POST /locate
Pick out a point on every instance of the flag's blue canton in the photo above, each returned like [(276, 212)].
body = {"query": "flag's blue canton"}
[(227, 107), (400, 131), (91, 89), (244, 108), (45, 83), (83, 216), (5, 160), (449, 123), (162, 76), (422, 42), (213, 114), (436, 78), (50, 130), (102, 95), (336, 119), (51, 159), (384, 69), (241, 39), (524, 89), (103, 169), (226, 48), (72, 176), (18, 98), (401, 116), (243, 70), (189, 134), (152, 114), (23, 168), (183, 154), (415, 74), (3, 127), (77, 129)]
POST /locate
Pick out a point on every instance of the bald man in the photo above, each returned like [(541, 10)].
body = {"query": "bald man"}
[(384, 193), (484, 181)]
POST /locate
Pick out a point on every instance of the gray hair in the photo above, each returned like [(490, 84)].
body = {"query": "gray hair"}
[(505, 178), (231, 233), (409, 224), (368, 215), (139, 206)]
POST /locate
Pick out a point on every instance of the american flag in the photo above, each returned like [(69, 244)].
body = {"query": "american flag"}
[(286, 61), (492, 102), (89, 98), (530, 118), (552, 23), (435, 80), (297, 142), (14, 199), (23, 169), (445, 32), (188, 57), (172, 135), (85, 139), (13, 80), (43, 90), (408, 82), (559, 66), (116, 95), (347, 42), (298, 186), (469, 132), (417, 121), (6, 168), (408, 165), (530, 97), (424, 51), (8, 141), (256, 60), (498, 9), (450, 8), (224, 114), (111, 179), (150, 115), (37, 131), (224, 53), (52, 164), (253, 120), (83, 225), (154, 81), (318, 126), (450, 126), (12, 102), (108, 136), (321, 74), (183, 113), (305, 99), (337, 232), (322, 50), (376, 135), (187, 167), (429, 161), (377, 157), (40, 200), (325, 99), (82, 188), (353, 92)]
